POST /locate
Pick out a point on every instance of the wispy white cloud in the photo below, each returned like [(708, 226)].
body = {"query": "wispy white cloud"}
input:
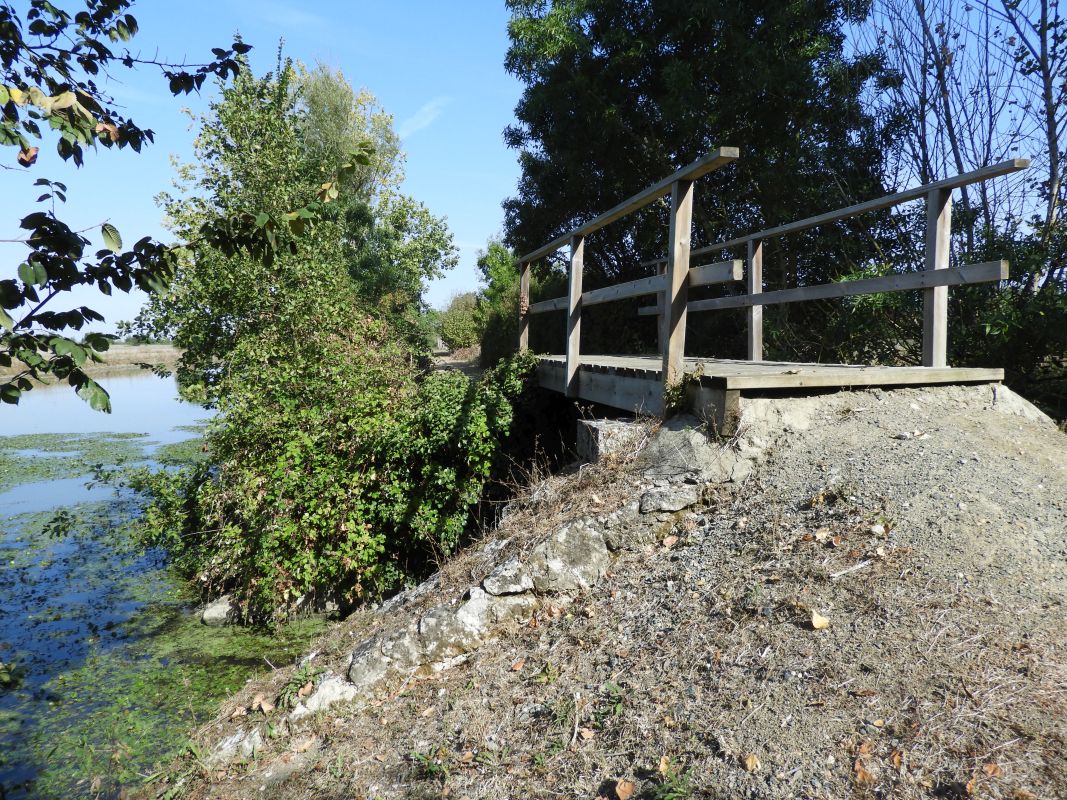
[(424, 117), (286, 15)]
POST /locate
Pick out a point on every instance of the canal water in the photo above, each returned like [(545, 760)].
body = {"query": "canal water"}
[(104, 666)]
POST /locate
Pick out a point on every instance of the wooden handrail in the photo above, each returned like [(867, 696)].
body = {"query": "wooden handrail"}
[(964, 179), (901, 282), (702, 166), (704, 275)]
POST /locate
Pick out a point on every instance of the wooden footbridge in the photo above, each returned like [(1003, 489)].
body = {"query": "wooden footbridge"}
[(638, 383)]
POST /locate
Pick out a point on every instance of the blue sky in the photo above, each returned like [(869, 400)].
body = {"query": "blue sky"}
[(436, 67)]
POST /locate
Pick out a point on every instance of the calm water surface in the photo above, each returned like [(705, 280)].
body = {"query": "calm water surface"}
[(103, 665)]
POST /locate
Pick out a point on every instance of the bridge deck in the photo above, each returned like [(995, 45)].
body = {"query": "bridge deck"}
[(633, 382)]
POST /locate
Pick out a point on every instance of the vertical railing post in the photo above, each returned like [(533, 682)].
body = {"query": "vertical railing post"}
[(574, 315), (524, 307), (754, 285), (676, 296), (935, 300), (661, 305)]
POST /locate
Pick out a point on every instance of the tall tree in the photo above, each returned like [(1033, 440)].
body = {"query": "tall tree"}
[(270, 143), (620, 93)]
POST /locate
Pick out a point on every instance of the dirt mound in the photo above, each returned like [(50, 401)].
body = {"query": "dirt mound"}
[(877, 610)]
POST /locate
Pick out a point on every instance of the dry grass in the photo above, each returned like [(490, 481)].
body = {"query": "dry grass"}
[(122, 358)]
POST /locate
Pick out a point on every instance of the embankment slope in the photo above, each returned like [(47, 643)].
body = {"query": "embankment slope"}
[(871, 605)]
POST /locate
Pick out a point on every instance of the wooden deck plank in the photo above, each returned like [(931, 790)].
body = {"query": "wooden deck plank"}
[(740, 375)]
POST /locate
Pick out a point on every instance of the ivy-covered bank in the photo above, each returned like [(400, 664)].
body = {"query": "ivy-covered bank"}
[(104, 666)]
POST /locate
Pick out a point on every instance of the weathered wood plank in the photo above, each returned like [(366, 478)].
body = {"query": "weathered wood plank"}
[(555, 304), (704, 275), (754, 283), (524, 307), (640, 376), (702, 166), (621, 291), (675, 308), (957, 276), (719, 272), (935, 298), (574, 314), (860, 376)]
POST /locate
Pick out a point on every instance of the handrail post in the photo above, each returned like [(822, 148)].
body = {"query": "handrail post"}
[(661, 303), (754, 285), (524, 306), (935, 300), (676, 292), (574, 315)]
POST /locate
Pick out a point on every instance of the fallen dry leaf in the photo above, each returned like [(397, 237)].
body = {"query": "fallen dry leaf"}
[(865, 747), (1023, 794), (670, 541), (818, 621), (751, 762), (864, 777), (625, 789), (664, 766), (518, 665), (822, 535), (467, 757), (240, 711), (306, 689), (586, 733), (261, 703), (992, 770), (897, 758)]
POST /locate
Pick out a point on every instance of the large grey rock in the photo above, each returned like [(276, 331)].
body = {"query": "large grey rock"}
[(670, 498), (242, 744), (574, 558), (598, 438), (683, 447), (442, 634), (510, 577), (218, 612), (384, 655), (331, 690), (449, 631)]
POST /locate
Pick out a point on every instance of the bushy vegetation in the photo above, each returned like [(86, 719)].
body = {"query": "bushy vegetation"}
[(337, 468), (460, 325), (341, 479)]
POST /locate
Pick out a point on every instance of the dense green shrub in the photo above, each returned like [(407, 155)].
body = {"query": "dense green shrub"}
[(344, 483), (460, 325)]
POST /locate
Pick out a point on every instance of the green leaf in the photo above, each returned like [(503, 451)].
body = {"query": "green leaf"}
[(6, 321), (9, 394), (26, 273), (112, 239), (93, 393)]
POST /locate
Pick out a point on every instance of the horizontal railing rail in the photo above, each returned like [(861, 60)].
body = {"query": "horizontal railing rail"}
[(705, 275), (879, 204)]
